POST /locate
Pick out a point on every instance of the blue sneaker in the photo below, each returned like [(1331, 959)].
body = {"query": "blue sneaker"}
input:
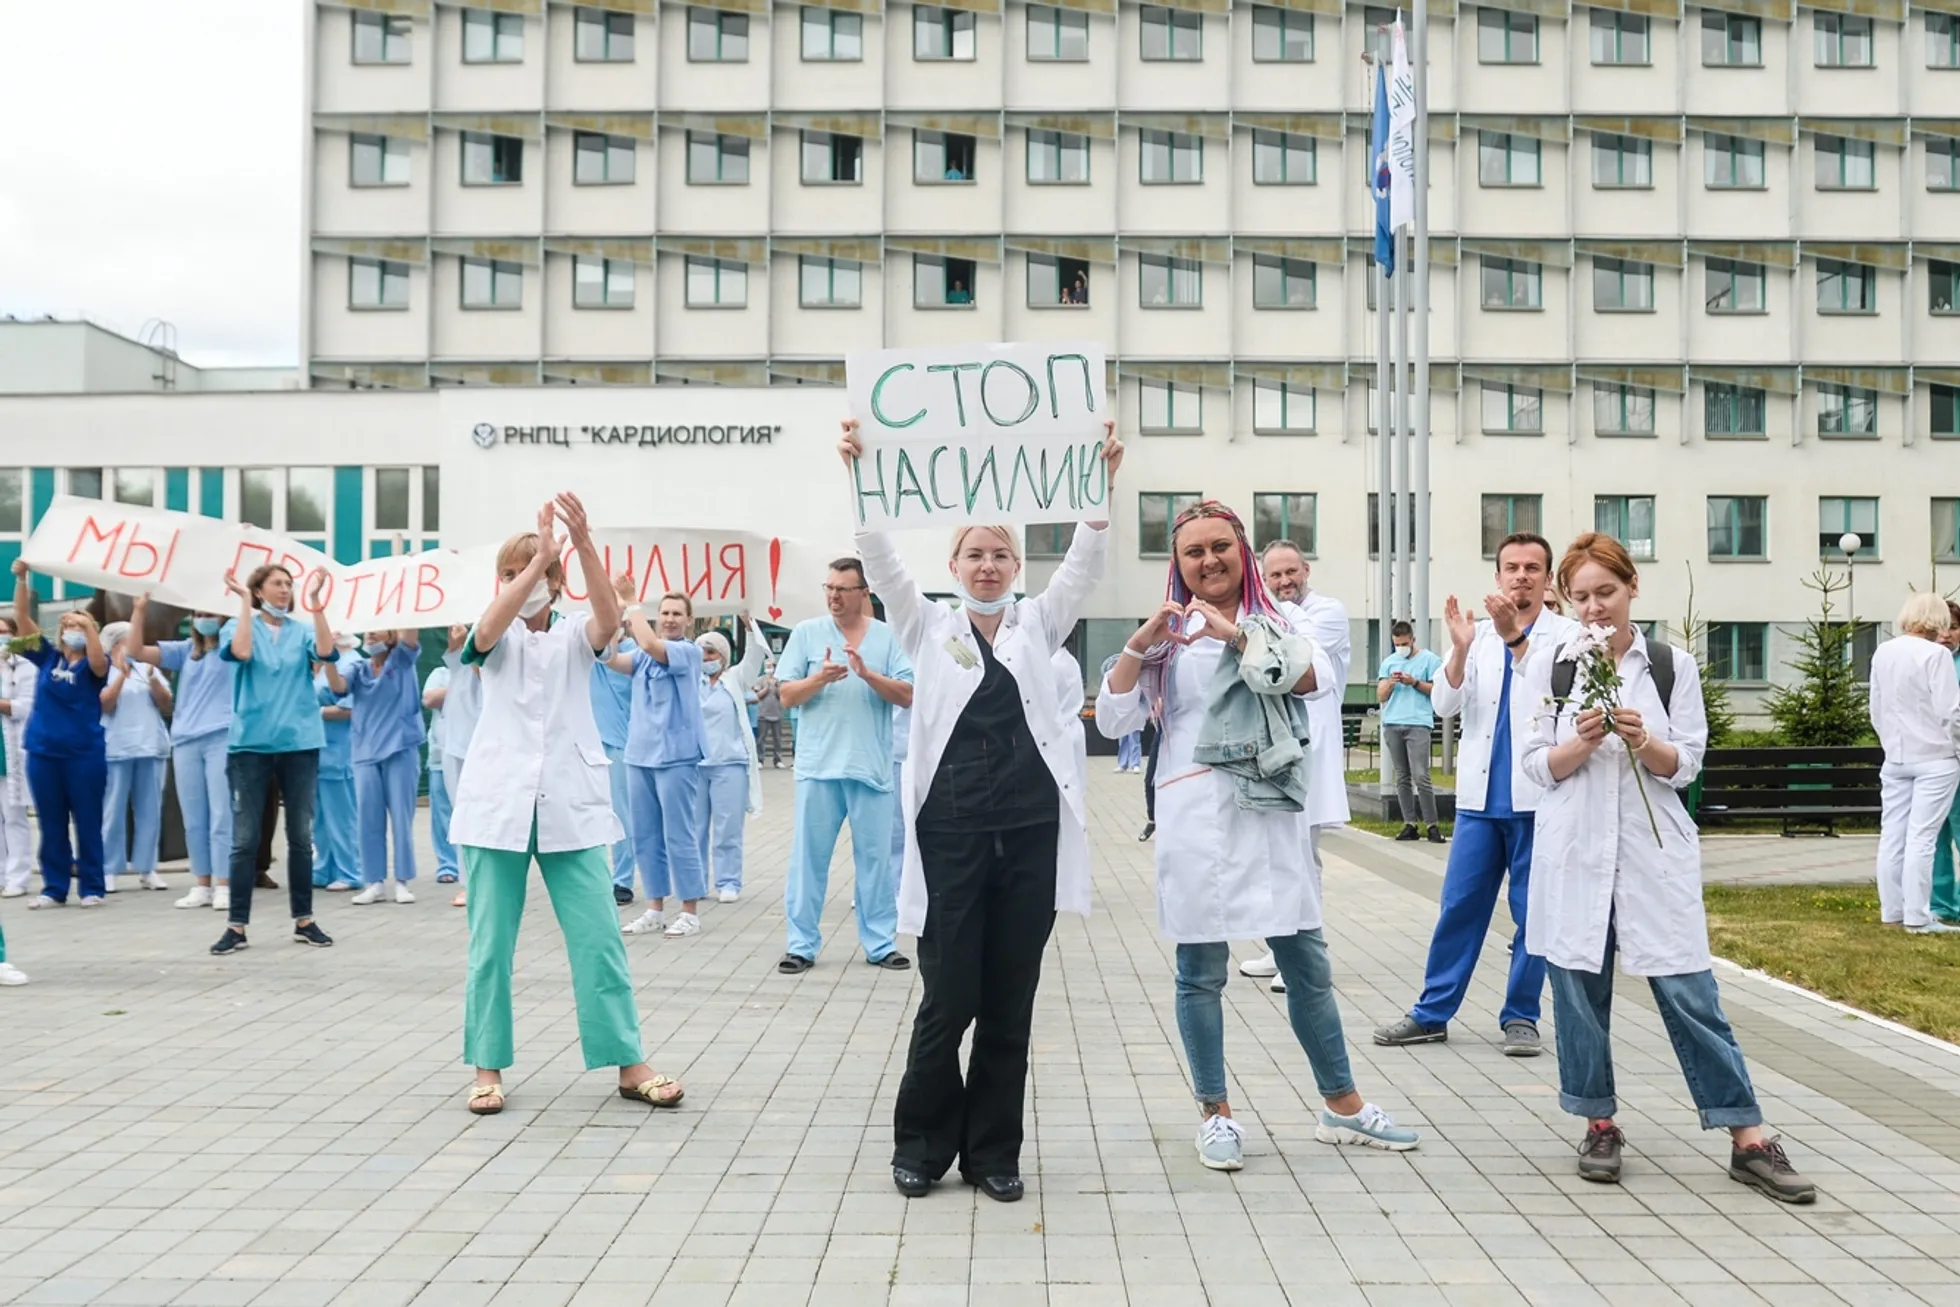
[(1221, 1143), (1369, 1127)]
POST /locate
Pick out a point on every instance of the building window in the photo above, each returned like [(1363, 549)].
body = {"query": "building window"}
[(1846, 410), (1289, 517), (1946, 410), (1837, 515), (832, 36), (1280, 159), (13, 503), (1943, 165), (382, 39), (1057, 158), (1054, 280), (1731, 40), (830, 283), (309, 498), (492, 160), (1504, 159), (1946, 529), (1156, 511), (1281, 36), (85, 482), (492, 284), (294, 500), (1622, 161), (1512, 284), (1844, 165), (602, 160), (1622, 410), (1846, 287), (1736, 526), (717, 160), (830, 159), (1279, 408), (257, 492), (602, 283), (1282, 283), (1732, 163), (601, 37), (1168, 158), (1172, 34), (1167, 283), (716, 36), (1048, 539), (1942, 286), (1622, 286), (377, 161), (1629, 519), (1057, 35), (941, 33), (940, 157), (376, 284), (1620, 38), (393, 519), (1731, 410), (941, 283), (1733, 287), (1506, 38), (492, 38), (717, 284), (1738, 651), (1842, 40), (1167, 406), (1401, 523), (1508, 408), (135, 485), (1505, 515), (1942, 41)]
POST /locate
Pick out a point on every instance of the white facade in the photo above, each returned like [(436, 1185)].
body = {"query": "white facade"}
[(55, 356)]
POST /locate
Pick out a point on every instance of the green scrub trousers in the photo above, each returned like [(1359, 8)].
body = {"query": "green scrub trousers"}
[(1946, 893), (580, 885)]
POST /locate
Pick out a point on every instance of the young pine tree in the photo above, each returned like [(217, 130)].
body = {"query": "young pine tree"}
[(1827, 705)]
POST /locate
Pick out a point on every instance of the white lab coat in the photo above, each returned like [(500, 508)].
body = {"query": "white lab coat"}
[(1069, 697), (1031, 630), (1475, 703), (1223, 872), (18, 680), (735, 682), (1915, 705), (535, 751), (1594, 859), (1327, 796)]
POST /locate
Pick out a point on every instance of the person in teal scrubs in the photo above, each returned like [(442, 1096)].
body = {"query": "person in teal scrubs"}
[(1946, 893), (199, 732)]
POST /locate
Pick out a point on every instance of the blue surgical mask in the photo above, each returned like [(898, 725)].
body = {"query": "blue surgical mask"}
[(205, 626), (712, 666), (984, 607), (375, 648), (74, 640), (274, 610)]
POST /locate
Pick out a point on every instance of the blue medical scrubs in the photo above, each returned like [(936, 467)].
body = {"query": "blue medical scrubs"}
[(663, 757), (335, 861), (137, 748), (387, 751), (198, 736), (612, 711), (67, 770), (440, 809), (723, 816)]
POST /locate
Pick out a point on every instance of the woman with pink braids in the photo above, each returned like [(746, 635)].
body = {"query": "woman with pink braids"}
[(1231, 666)]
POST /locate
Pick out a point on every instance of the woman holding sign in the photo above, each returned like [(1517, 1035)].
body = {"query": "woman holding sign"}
[(993, 798), (199, 731)]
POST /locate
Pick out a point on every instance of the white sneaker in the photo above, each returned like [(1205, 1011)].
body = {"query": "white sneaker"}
[(401, 894), (645, 924), (108, 883), (43, 901), (729, 896), (154, 880), (221, 898), (371, 894), (1260, 967), (684, 924), (11, 974), (91, 900), (199, 897), (1278, 986), (1221, 1143), (13, 891)]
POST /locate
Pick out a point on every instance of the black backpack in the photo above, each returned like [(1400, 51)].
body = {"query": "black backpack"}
[(1660, 659)]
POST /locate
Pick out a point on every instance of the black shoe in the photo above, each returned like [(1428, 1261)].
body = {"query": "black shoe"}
[(622, 894), (311, 933), (795, 964), (1407, 833), (1436, 835), (1767, 1167), (913, 1184), (1149, 829), (231, 941), (893, 961), (1000, 1188)]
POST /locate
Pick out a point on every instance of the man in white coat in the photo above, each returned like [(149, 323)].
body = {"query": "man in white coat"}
[(17, 850), (1495, 799), (1287, 574)]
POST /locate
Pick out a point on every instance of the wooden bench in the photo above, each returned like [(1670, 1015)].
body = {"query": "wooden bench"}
[(1804, 787)]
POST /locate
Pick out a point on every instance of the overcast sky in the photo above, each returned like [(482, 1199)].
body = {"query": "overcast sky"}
[(150, 167)]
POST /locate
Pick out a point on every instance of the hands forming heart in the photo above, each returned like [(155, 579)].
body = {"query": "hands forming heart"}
[(1187, 623)]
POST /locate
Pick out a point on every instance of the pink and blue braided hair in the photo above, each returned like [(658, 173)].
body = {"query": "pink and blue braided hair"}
[(1254, 598)]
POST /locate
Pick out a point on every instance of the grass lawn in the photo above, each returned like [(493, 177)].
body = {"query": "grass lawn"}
[(1375, 826), (1827, 938)]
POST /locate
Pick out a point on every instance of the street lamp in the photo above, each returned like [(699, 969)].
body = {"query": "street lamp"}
[(1850, 543)]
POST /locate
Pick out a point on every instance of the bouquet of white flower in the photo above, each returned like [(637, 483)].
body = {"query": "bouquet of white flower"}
[(1599, 686)]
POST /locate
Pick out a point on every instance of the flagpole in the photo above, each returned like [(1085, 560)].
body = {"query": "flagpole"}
[(1386, 533), (1403, 436), (1419, 295)]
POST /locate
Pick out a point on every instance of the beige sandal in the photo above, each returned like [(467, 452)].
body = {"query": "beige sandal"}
[(658, 1091), (480, 1092)]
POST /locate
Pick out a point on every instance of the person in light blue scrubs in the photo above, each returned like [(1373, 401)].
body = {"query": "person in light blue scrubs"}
[(435, 693), (137, 744), (387, 749), (612, 710), (901, 749), (663, 759), (731, 785), (336, 864), (197, 740)]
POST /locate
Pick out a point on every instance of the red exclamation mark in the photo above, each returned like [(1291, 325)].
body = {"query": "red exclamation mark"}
[(775, 575)]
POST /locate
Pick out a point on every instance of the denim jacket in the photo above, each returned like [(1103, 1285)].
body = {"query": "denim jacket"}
[(1255, 727)]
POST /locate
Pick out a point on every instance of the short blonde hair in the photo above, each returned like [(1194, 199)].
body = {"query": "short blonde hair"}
[(518, 551), (1924, 614), (1007, 536)]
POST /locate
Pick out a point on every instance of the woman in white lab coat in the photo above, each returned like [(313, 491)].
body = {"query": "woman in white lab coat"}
[(993, 803), (535, 788), (16, 706), (1603, 879), (1224, 871), (1915, 709)]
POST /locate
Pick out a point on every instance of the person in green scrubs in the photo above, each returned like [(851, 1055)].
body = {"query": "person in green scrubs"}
[(1946, 893)]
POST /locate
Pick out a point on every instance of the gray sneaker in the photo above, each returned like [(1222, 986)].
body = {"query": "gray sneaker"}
[(1411, 1031), (1599, 1156), (1767, 1167), (1521, 1039)]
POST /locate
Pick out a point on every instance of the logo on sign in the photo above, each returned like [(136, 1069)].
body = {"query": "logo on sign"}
[(484, 434)]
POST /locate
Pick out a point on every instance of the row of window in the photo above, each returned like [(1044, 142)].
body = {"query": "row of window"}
[(1062, 35)]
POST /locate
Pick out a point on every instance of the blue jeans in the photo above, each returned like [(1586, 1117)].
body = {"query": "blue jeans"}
[(251, 776), (622, 805), (133, 783), (724, 814), (66, 789), (1484, 851), (821, 808), (204, 800), (384, 797), (439, 812), (1129, 750), (334, 821), (1310, 1007), (1690, 1008), (666, 803)]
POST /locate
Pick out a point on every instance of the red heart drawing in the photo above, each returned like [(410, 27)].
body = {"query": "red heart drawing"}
[(775, 614)]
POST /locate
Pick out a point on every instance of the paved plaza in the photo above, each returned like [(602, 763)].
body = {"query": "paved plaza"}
[(286, 1128)]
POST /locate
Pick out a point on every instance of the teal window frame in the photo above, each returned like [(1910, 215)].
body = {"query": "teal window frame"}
[(502, 275), (1836, 40), (1505, 37), (1290, 273), (395, 33), (1622, 286), (1942, 41), (1521, 288), (1946, 529), (1171, 146), (1289, 515), (944, 35), (734, 273), (1401, 521), (611, 273), (1047, 540), (1282, 24), (1506, 515), (1837, 514), (1738, 652), (1056, 148), (505, 159), (830, 27), (830, 159), (505, 33), (1843, 164), (1182, 282), (1180, 35), (1734, 519), (1629, 519), (1944, 402), (726, 147), (1723, 283), (1509, 150), (1520, 413), (1613, 32), (1942, 165), (1731, 40), (1846, 288), (390, 285), (1622, 163), (618, 159), (1848, 412), (1743, 410), (384, 153), (1172, 400), (1290, 400), (1737, 156), (612, 27), (1298, 158), (1620, 409), (1057, 35), (717, 36), (948, 271), (1156, 511), (828, 268)]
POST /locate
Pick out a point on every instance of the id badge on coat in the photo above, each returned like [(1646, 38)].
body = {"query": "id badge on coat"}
[(961, 654)]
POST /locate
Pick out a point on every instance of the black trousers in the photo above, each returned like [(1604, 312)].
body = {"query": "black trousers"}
[(1151, 738), (990, 908)]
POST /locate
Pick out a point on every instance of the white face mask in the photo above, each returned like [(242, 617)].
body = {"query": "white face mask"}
[(536, 602), (984, 607)]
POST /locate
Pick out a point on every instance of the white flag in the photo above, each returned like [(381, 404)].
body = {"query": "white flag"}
[(1401, 137)]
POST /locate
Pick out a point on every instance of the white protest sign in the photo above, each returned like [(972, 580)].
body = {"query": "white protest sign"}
[(993, 433)]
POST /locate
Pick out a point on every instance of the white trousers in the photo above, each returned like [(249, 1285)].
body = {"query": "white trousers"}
[(1915, 798), (17, 851)]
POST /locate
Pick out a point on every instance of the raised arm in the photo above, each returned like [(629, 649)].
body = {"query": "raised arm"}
[(24, 624), (503, 609), (324, 648), (604, 621), (645, 636), (160, 692), (749, 670), (241, 632)]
